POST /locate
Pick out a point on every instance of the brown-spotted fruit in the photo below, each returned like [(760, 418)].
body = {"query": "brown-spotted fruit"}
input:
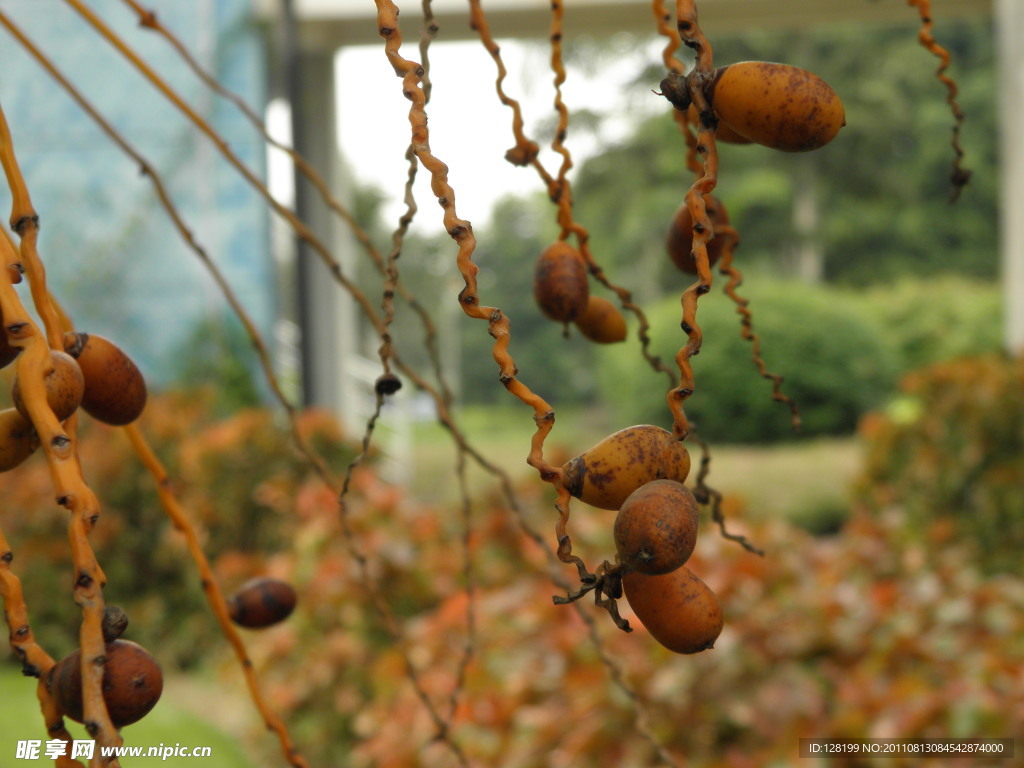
[(261, 603), (656, 528), (777, 105), (65, 387), (607, 473), (115, 391)]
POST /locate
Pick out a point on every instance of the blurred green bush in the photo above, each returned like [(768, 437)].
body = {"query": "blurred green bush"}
[(841, 352), (837, 359), (952, 447)]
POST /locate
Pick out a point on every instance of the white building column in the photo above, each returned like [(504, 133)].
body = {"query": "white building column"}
[(1009, 30)]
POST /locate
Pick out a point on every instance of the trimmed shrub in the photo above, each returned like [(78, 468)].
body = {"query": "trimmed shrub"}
[(952, 447), (838, 361)]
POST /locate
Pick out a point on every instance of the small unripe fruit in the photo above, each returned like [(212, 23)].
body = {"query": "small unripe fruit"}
[(65, 387), (601, 321), (679, 241), (132, 683), (605, 475), (677, 608), (777, 105), (560, 282), (17, 439), (115, 622), (115, 391), (262, 603), (656, 529)]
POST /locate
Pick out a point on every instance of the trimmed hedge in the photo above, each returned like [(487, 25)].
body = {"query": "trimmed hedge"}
[(837, 358)]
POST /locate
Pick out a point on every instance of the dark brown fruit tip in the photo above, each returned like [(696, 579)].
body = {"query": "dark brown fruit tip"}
[(261, 603)]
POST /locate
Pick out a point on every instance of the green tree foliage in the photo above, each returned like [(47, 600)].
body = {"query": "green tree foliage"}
[(217, 354)]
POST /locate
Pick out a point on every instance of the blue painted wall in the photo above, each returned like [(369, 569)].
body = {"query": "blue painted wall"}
[(113, 257)]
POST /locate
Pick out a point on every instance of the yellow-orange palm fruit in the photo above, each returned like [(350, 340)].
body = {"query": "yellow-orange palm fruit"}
[(605, 475), (560, 282), (65, 386), (601, 321), (723, 132), (115, 391), (656, 529), (777, 105), (17, 439), (679, 240), (132, 683), (677, 608)]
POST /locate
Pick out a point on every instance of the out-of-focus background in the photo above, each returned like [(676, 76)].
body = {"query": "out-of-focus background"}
[(889, 602)]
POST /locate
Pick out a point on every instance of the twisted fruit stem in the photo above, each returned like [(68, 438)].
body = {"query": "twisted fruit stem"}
[(59, 442), (726, 267), (559, 190), (959, 176), (706, 495), (35, 662), (691, 35)]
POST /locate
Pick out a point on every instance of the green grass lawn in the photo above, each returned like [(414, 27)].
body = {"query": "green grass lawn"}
[(185, 715), (805, 481)]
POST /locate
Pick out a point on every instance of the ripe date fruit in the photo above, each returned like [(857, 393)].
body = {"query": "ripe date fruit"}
[(17, 439), (606, 474), (115, 391), (677, 608), (560, 282), (261, 603), (65, 387), (679, 240), (132, 683), (601, 321), (656, 529), (777, 105)]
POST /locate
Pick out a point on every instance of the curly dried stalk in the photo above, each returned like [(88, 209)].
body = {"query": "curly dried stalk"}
[(35, 662), (558, 67), (691, 34), (212, 590), (675, 68), (958, 176), (559, 190), (663, 20), (387, 384), (461, 232), (391, 276), (59, 444), (706, 495), (726, 267)]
